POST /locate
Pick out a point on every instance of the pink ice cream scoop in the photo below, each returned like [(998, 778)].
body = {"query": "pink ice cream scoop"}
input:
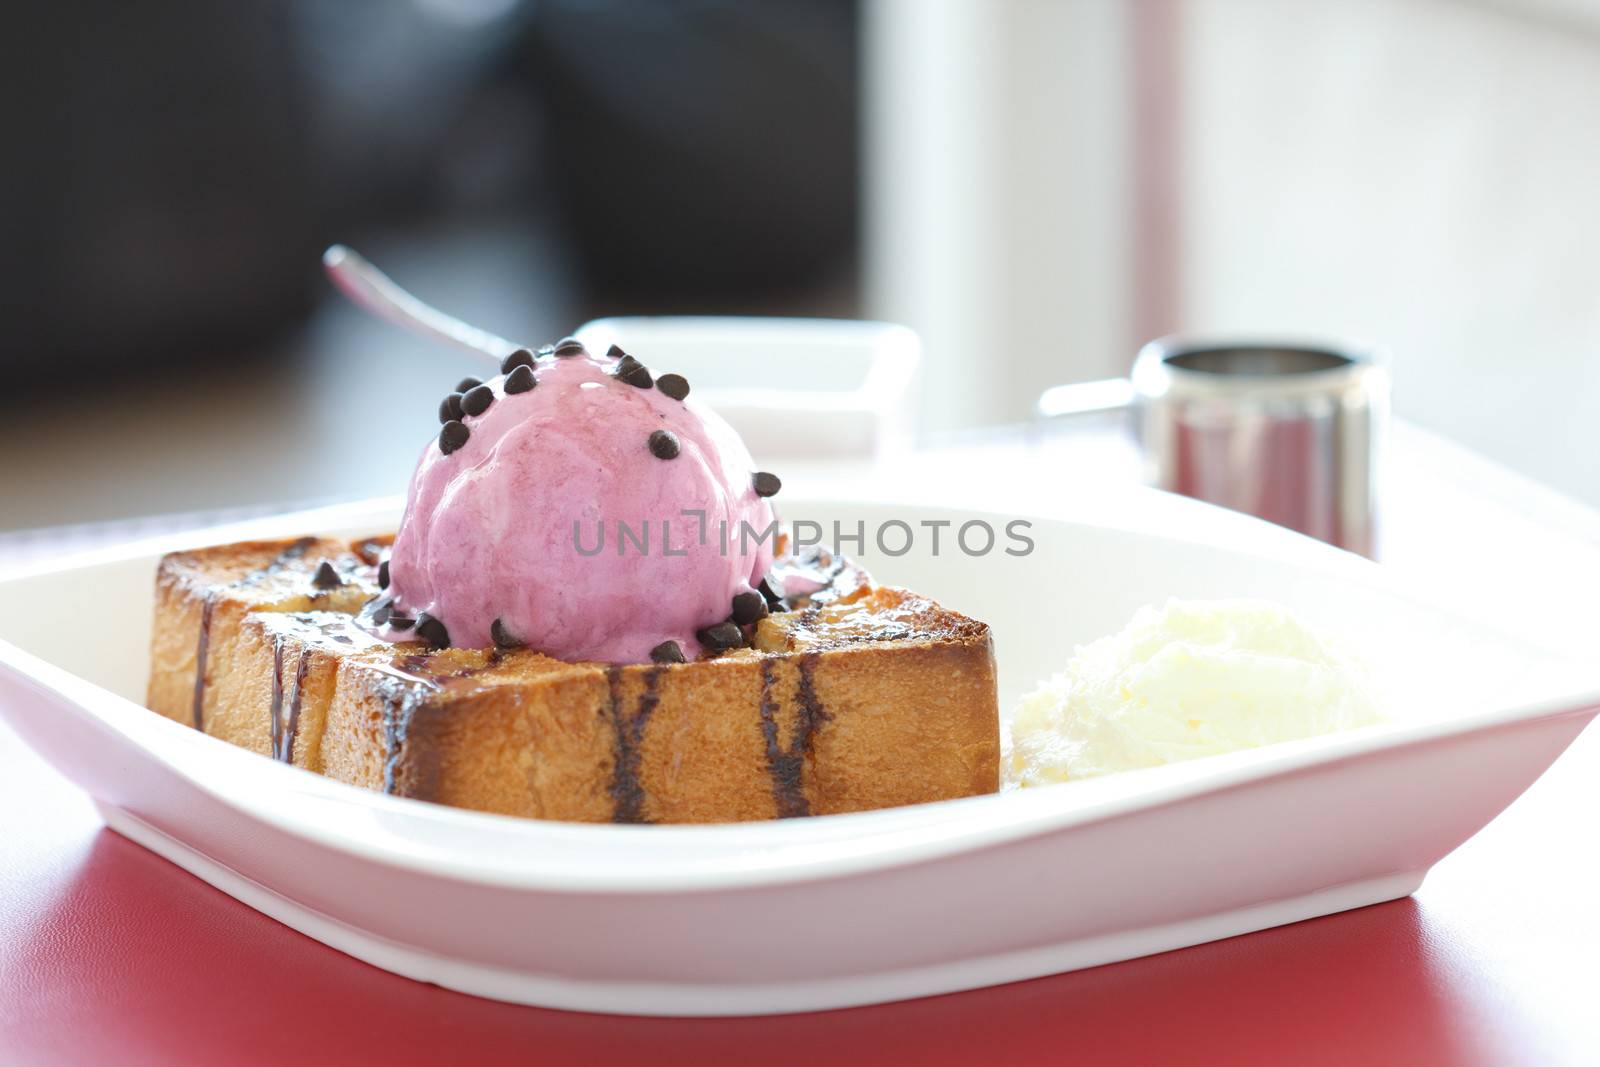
[(578, 507)]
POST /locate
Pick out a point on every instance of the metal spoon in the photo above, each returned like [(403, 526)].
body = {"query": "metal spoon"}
[(371, 289)]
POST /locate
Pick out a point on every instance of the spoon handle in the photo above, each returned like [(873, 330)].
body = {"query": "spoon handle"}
[(375, 291)]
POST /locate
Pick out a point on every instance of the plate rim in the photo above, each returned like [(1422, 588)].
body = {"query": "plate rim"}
[(886, 839)]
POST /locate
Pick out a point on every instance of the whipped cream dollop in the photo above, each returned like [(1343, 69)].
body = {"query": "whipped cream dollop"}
[(1190, 679), (578, 507)]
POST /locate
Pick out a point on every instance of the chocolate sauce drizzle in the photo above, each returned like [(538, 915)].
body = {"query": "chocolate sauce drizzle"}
[(288, 555), (813, 564), (276, 701), (626, 791), (201, 647), (284, 728), (370, 551), (412, 680), (208, 607), (786, 766), (292, 727), (400, 704)]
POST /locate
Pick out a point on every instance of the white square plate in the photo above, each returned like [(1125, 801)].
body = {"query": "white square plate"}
[(851, 909)]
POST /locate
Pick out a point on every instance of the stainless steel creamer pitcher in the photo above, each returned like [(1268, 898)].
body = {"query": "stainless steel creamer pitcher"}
[(1290, 432)]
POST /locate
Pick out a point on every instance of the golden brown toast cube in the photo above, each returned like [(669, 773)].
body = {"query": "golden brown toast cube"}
[(203, 596), (273, 694), (875, 698)]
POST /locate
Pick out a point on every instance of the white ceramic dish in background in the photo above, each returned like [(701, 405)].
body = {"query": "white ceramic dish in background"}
[(851, 909), (845, 380)]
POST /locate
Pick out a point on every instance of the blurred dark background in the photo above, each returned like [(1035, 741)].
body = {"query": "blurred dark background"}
[(186, 162), (176, 168)]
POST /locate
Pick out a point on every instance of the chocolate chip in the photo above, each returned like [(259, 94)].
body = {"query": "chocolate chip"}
[(568, 346), (326, 577), (633, 372), (468, 382), (432, 631), (383, 575), (477, 400), (520, 380), (774, 600), (667, 652), (520, 358), (381, 613), (450, 407), (452, 436), (765, 484), (723, 635), (674, 385), (748, 608), (664, 444), (401, 623), (615, 352), (502, 637)]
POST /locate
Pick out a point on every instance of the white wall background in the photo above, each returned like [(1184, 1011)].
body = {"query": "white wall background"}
[(1425, 174), (997, 203), (1422, 173)]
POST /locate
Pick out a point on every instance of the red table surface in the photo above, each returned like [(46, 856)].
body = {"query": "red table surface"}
[(109, 954)]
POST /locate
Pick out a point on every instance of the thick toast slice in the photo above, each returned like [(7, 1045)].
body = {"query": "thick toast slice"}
[(868, 697), (202, 601)]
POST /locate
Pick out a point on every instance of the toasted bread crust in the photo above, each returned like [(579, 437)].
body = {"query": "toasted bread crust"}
[(204, 596), (877, 698)]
